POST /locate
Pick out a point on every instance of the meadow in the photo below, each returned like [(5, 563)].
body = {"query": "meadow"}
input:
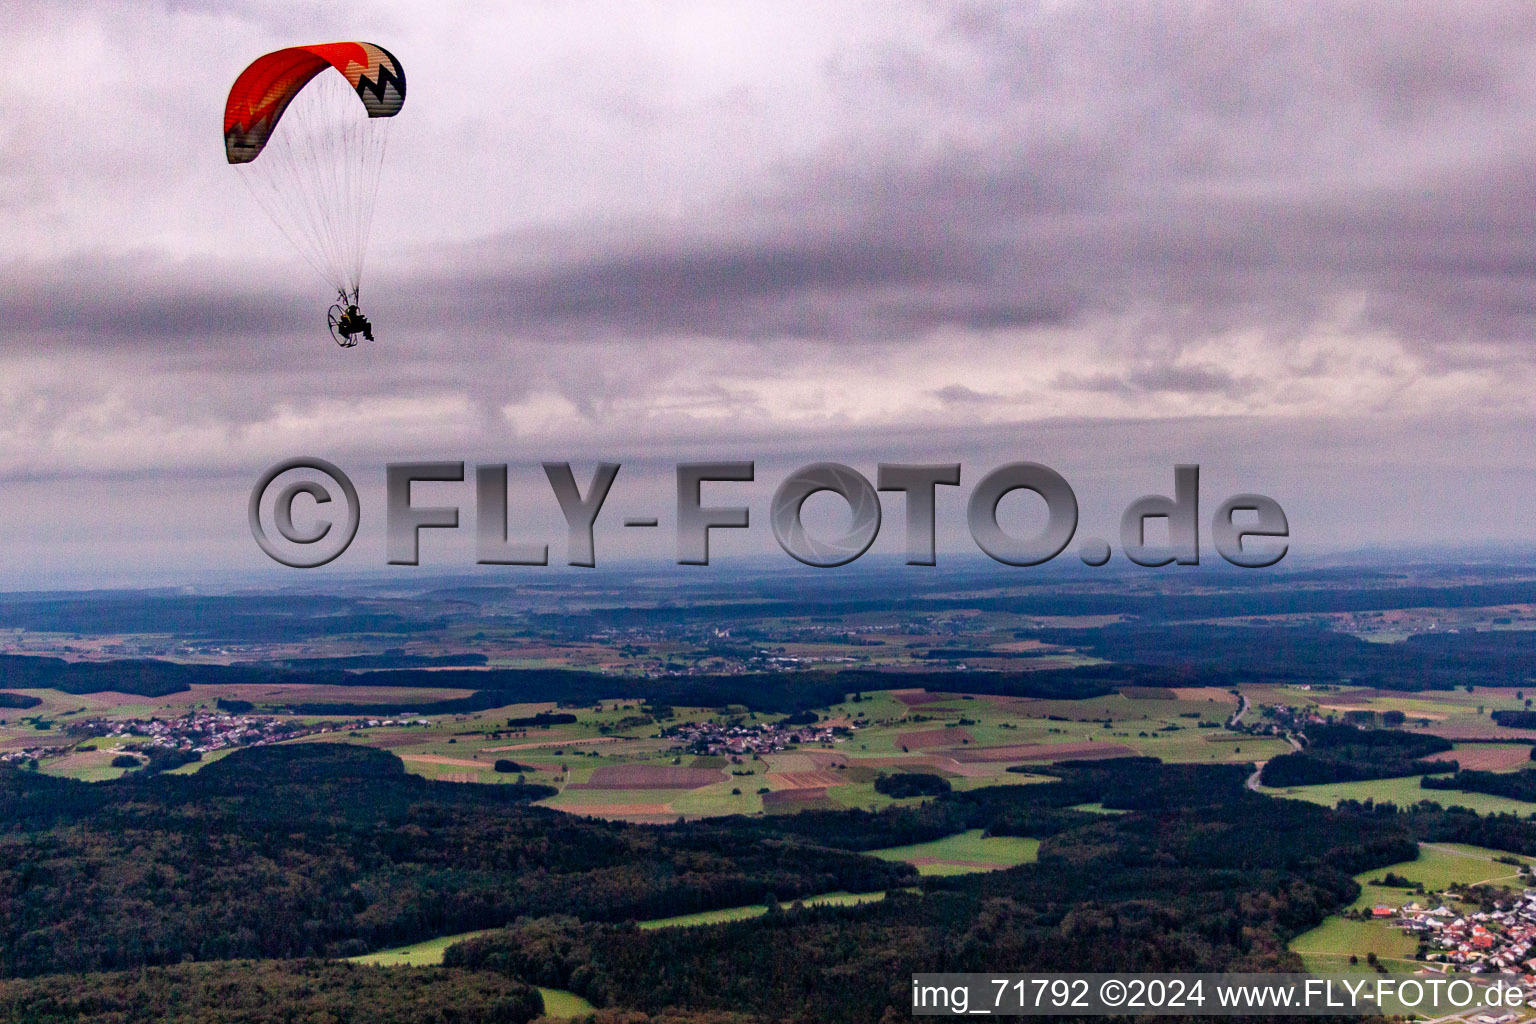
[(430, 953), (1403, 792), (964, 853), (831, 899)]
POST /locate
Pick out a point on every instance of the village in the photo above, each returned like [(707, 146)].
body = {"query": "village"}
[(712, 738), (203, 732), (1498, 940)]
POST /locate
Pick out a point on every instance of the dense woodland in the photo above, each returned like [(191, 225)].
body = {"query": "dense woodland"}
[(765, 692), (1312, 654), (1343, 753), (324, 850), (1519, 785), (905, 784), (272, 992)]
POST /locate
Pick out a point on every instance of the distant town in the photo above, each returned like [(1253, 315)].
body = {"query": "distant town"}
[(201, 732), (745, 740)]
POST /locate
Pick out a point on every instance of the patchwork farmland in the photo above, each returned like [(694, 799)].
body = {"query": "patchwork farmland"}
[(616, 759)]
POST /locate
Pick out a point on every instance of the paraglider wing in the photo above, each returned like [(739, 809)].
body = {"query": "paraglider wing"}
[(263, 91), (316, 174)]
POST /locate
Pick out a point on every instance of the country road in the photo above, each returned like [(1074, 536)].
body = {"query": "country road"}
[(1242, 709), (1258, 769)]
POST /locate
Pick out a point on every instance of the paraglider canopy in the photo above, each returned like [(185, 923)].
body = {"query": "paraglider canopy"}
[(311, 153), (263, 91)]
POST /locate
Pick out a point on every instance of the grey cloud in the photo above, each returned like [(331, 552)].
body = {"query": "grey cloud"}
[(110, 300), (959, 394), (1180, 379), (1235, 168)]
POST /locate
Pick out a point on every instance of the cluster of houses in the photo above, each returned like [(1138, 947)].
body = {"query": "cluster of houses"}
[(1280, 719), (31, 754), (1502, 940), (743, 740), (203, 731)]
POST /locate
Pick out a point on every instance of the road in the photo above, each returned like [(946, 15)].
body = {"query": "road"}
[(1242, 709), (1258, 769)]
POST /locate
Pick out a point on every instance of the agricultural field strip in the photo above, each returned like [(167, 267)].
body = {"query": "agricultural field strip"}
[(430, 951), (1403, 791), (1452, 851)]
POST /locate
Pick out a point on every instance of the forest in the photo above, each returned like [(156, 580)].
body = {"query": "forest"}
[(904, 784), (774, 692), (1343, 753), (272, 992), (325, 850), (1312, 654)]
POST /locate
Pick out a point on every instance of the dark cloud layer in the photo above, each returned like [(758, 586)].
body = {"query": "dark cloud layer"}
[(1203, 167), (1206, 168)]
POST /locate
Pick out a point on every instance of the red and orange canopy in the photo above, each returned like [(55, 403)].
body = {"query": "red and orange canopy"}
[(264, 90)]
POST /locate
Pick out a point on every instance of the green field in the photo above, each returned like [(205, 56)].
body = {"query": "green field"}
[(463, 748), (1211, 745), (207, 759), (430, 953), (717, 799), (562, 1005), (422, 954), (1430, 710), (1328, 947), (87, 767), (1168, 728), (1403, 792), (1096, 809), (831, 899), (964, 853)]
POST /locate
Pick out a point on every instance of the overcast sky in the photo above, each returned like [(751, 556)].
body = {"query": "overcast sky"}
[(1294, 243)]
